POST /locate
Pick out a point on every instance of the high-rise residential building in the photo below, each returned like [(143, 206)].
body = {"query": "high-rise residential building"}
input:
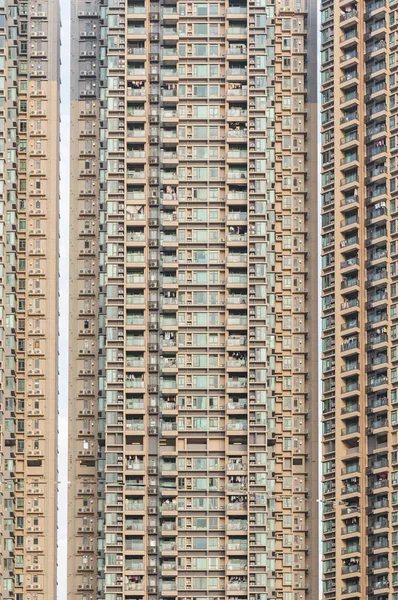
[(29, 171), (359, 284), (193, 334)]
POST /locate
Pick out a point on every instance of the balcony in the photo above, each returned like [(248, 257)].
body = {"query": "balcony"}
[(237, 404), (350, 323), (350, 430), (349, 55), (373, 109), (353, 588), (352, 508), (168, 547), (376, 275), (379, 523), (349, 262), (349, 366), (351, 549), (375, 401), (376, 233), (376, 359), (378, 543), (373, 173), (351, 136), (240, 133), (375, 5), (378, 584), (237, 71), (237, 565), (133, 505), (349, 199), (350, 34), (347, 14), (237, 299), (237, 257), (237, 585), (238, 90), (351, 567), (379, 423), (378, 380), (375, 149), (383, 503), (135, 525), (376, 26), (132, 586), (236, 425), (349, 408), (134, 545), (236, 30), (374, 88), (350, 489), (169, 506), (237, 196), (237, 279), (351, 529), (351, 116), (376, 66), (136, 9), (351, 76), (375, 46), (139, 91)]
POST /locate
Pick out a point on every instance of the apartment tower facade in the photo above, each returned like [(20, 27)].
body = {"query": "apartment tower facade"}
[(193, 358), (29, 115), (359, 345)]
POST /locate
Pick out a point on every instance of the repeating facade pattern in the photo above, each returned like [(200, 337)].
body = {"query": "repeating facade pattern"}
[(359, 43), (193, 366), (29, 113)]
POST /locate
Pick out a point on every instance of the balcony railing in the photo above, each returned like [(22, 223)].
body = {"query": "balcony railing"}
[(348, 14)]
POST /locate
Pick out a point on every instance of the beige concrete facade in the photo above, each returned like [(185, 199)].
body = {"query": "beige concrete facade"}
[(359, 125), (193, 334), (29, 138)]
